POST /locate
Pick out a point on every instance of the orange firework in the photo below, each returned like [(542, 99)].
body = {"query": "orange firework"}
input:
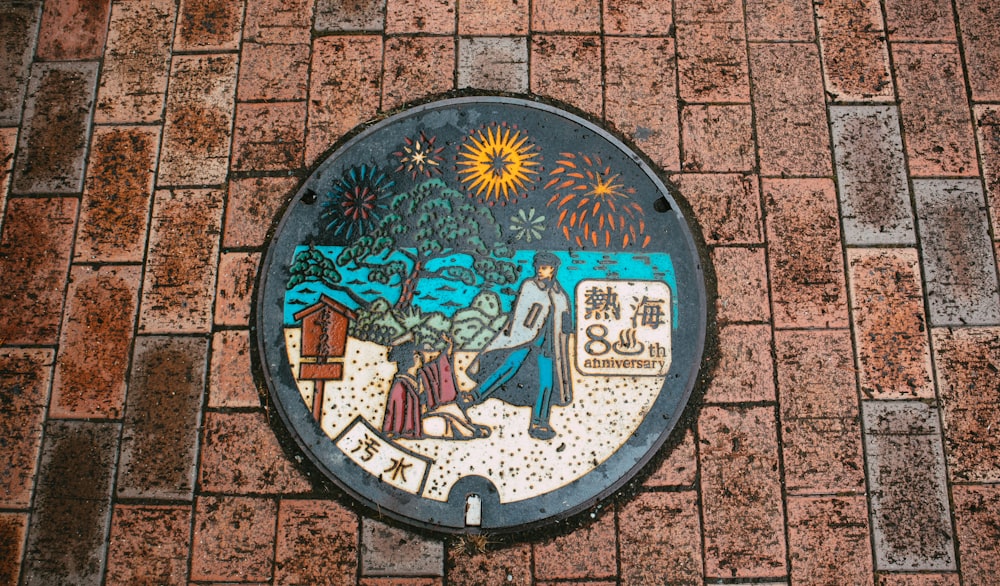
[(497, 164), (594, 205)]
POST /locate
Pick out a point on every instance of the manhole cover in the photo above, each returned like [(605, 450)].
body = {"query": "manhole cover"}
[(481, 314)]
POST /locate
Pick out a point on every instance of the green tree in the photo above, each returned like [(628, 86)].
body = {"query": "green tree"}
[(433, 222)]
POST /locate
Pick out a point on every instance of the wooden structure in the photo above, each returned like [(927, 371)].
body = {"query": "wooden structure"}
[(324, 342)]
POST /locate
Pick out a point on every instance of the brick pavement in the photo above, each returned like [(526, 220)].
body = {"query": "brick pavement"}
[(841, 158)]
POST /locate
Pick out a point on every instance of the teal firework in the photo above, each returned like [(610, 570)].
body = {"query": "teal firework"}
[(356, 202)]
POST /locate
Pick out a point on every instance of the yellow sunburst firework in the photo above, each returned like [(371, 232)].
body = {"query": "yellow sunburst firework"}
[(496, 164)]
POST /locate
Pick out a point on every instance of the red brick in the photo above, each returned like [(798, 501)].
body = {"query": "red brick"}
[(679, 467), (820, 432), (401, 582), (746, 371), (252, 208), (894, 579), (149, 545), (237, 276), (180, 273), (317, 543), (742, 284), (935, 112), (807, 266), (792, 131), (727, 207), (576, 16), (587, 552), (708, 11), (269, 137), (231, 383), (743, 517), (89, 378), (134, 77), (357, 15), (856, 65), (34, 261), (988, 131), (977, 519), (980, 24), (416, 67), (493, 63), (507, 565), (199, 118), (887, 306), (233, 539), (660, 539), (13, 527), (117, 193), (74, 29), (712, 61), (274, 72), (393, 551), (22, 415), (920, 20), (19, 29), (628, 17), (8, 139), (493, 17), (209, 25), (52, 148), (967, 362), (828, 540), (568, 68), (718, 138), (418, 16), (344, 90), (780, 20), (228, 467), (279, 22), (640, 95)]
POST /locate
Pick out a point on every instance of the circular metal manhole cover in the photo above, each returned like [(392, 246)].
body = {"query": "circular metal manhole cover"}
[(481, 314)]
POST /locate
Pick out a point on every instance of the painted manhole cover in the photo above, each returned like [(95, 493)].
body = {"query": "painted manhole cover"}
[(481, 314)]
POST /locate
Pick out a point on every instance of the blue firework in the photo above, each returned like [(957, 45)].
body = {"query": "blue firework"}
[(356, 202)]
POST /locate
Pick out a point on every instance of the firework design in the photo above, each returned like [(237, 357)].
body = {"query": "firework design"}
[(497, 164), (419, 157), (356, 202)]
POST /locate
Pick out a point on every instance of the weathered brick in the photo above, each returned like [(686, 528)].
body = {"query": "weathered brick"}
[(920, 20), (390, 551), (779, 20), (958, 258), (274, 71), (566, 16), (13, 527), (209, 25), (269, 137), (587, 552), (820, 431), (855, 55), (807, 266), (8, 140), (344, 90), (416, 67), (967, 362), (67, 540), (233, 539), (24, 384), (679, 467), (493, 63), (743, 516), (641, 96), (509, 565), (727, 207), (359, 15), (628, 17), (73, 29), (149, 545), (660, 539), (569, 68), (52, 148), (493, 17), (988, 131), (419, 16), (908, 491), (871, 175), (935, 111), (828, 540), (887, 307), (231, 382), (237, 276), (228, 467), (199, 119), (922, 579), (162, 413), (718, 138), (134, 77), (279, 22), (317, 542), (19, 29), (741, 275), (977, 518), (117, 193), (101, 306), (792, 132), (980, 25), (712, 62), (34, 261), (252, 208), (179, 282), (746, 371)]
